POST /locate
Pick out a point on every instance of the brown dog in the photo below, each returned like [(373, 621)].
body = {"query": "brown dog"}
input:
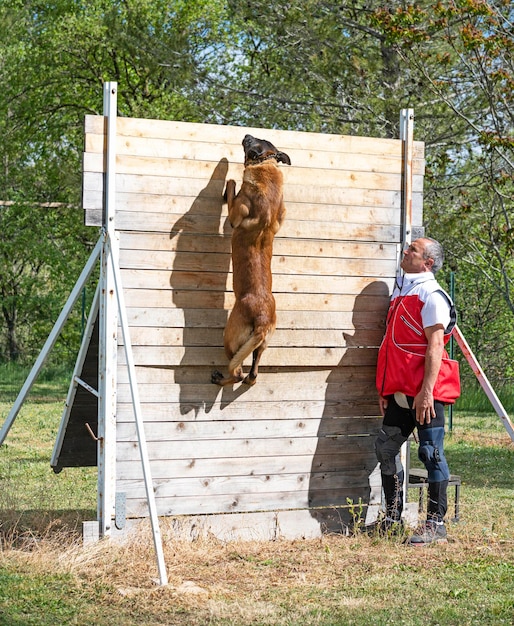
[(256, 214)]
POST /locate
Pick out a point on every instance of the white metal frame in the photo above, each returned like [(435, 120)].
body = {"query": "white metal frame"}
[(407, 138), (145, 462), (109, 302), (112, 304), (50, 342), (108, 328)]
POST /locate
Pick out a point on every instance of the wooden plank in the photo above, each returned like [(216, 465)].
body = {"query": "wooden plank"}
[(93, 217), (282, 283), (354, 201), (197, 193), (373, 297), (342, 375), (210, 207), (281, 264), (264, 392), (192, 161), (288, 305), (200, 318), (257, 466), (281, 338), (346, 407), (363, 190), (160, 222), (285, 357), (220, 244), (299, 186), (242, 503), (226, 135), (208, 487), (222, 406), (221, 431), (243, 448)]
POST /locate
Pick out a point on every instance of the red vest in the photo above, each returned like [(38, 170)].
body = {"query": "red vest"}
[(401, 357)]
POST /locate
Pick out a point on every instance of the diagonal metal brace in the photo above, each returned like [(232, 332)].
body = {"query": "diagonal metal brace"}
[(484, 382)]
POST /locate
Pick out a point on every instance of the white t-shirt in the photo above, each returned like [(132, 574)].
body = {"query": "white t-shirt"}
[(436, 309)]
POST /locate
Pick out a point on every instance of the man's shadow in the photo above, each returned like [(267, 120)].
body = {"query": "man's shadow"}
[(200, 268), (345, 457)]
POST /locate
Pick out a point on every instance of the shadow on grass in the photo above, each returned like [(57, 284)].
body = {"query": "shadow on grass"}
[(23, 529), (491, 466)]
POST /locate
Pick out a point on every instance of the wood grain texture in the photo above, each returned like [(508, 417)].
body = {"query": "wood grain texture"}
[(303, 436)]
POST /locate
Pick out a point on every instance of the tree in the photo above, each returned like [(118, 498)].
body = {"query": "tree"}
[(54, 60), (462, 52)]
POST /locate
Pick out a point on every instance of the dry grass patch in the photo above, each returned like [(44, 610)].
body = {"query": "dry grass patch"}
[(48, 577), (317, 581)]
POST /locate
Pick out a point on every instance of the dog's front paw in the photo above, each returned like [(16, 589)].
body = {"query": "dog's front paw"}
[(216, 377), (230, 190)]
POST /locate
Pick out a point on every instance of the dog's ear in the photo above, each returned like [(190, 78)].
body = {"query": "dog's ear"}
[(284, 158)]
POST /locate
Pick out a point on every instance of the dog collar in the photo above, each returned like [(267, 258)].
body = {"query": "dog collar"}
[(262, 159)]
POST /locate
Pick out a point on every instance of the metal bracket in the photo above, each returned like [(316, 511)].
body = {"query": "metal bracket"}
[(120, 509), (418, 232), (86, 386)]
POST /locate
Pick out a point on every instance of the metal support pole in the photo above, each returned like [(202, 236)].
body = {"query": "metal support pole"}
[(52, 338), (108, 327), (407, 139), (150, 495)]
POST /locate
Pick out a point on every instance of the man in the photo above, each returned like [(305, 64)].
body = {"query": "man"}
[(415, 379)]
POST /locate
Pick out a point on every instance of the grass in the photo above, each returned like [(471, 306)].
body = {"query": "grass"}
[(474, 399), (48, 577), (50, 385)]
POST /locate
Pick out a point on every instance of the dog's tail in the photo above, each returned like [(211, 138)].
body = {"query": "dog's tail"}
[(256, 340)]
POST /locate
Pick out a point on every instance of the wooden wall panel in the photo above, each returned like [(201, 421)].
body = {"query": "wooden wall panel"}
[(303, 436)]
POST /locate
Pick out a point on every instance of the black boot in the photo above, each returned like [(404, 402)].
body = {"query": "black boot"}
[(393, 493), (390, 524), (433, 530), (437, 501)]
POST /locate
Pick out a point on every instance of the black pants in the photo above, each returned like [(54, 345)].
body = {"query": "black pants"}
[(398, 424)]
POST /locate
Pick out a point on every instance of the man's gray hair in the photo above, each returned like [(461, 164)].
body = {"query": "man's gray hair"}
[(434, 251)]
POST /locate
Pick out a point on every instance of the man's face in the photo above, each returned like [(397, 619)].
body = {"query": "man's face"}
[(413, 260)]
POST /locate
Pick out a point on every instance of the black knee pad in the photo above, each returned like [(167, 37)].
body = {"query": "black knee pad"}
[(387, 446), (428, 453), (431, 454)]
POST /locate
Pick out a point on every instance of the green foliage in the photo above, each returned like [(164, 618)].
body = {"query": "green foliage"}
[(462, 54), (474, 399)]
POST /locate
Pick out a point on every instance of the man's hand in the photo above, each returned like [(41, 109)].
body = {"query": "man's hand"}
[(382, 403), (424, 406)]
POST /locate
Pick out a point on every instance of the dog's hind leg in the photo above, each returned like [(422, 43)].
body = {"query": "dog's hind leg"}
[(235, 367), (264, 335), (251, 379)]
